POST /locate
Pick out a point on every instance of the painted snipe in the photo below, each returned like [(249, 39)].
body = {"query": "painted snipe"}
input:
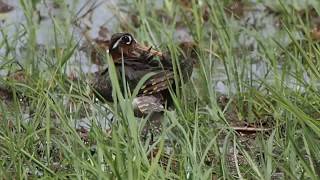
[(138, 61)]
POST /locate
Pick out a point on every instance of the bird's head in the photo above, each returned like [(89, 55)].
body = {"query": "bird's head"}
[(123, 45)]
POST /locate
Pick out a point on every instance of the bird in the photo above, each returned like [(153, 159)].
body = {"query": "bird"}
[(137, 61)]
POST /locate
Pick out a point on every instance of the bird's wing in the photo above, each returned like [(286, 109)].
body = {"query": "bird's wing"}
[(147, 104), (135, 70), (161, 81)]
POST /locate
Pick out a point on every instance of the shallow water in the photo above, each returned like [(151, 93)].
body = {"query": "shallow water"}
[(13, 21), (256, 18)]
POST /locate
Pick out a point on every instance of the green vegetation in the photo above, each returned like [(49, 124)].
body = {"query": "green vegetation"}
[(202, 138)]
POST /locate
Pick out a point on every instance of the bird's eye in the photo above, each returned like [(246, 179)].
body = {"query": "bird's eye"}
[(126, 39)]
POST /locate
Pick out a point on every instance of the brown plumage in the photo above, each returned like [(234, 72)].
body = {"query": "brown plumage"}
[(139, 61), (123, 45)]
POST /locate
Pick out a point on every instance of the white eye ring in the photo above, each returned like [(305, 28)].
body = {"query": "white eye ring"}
[(115, 45), (130, 39)]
